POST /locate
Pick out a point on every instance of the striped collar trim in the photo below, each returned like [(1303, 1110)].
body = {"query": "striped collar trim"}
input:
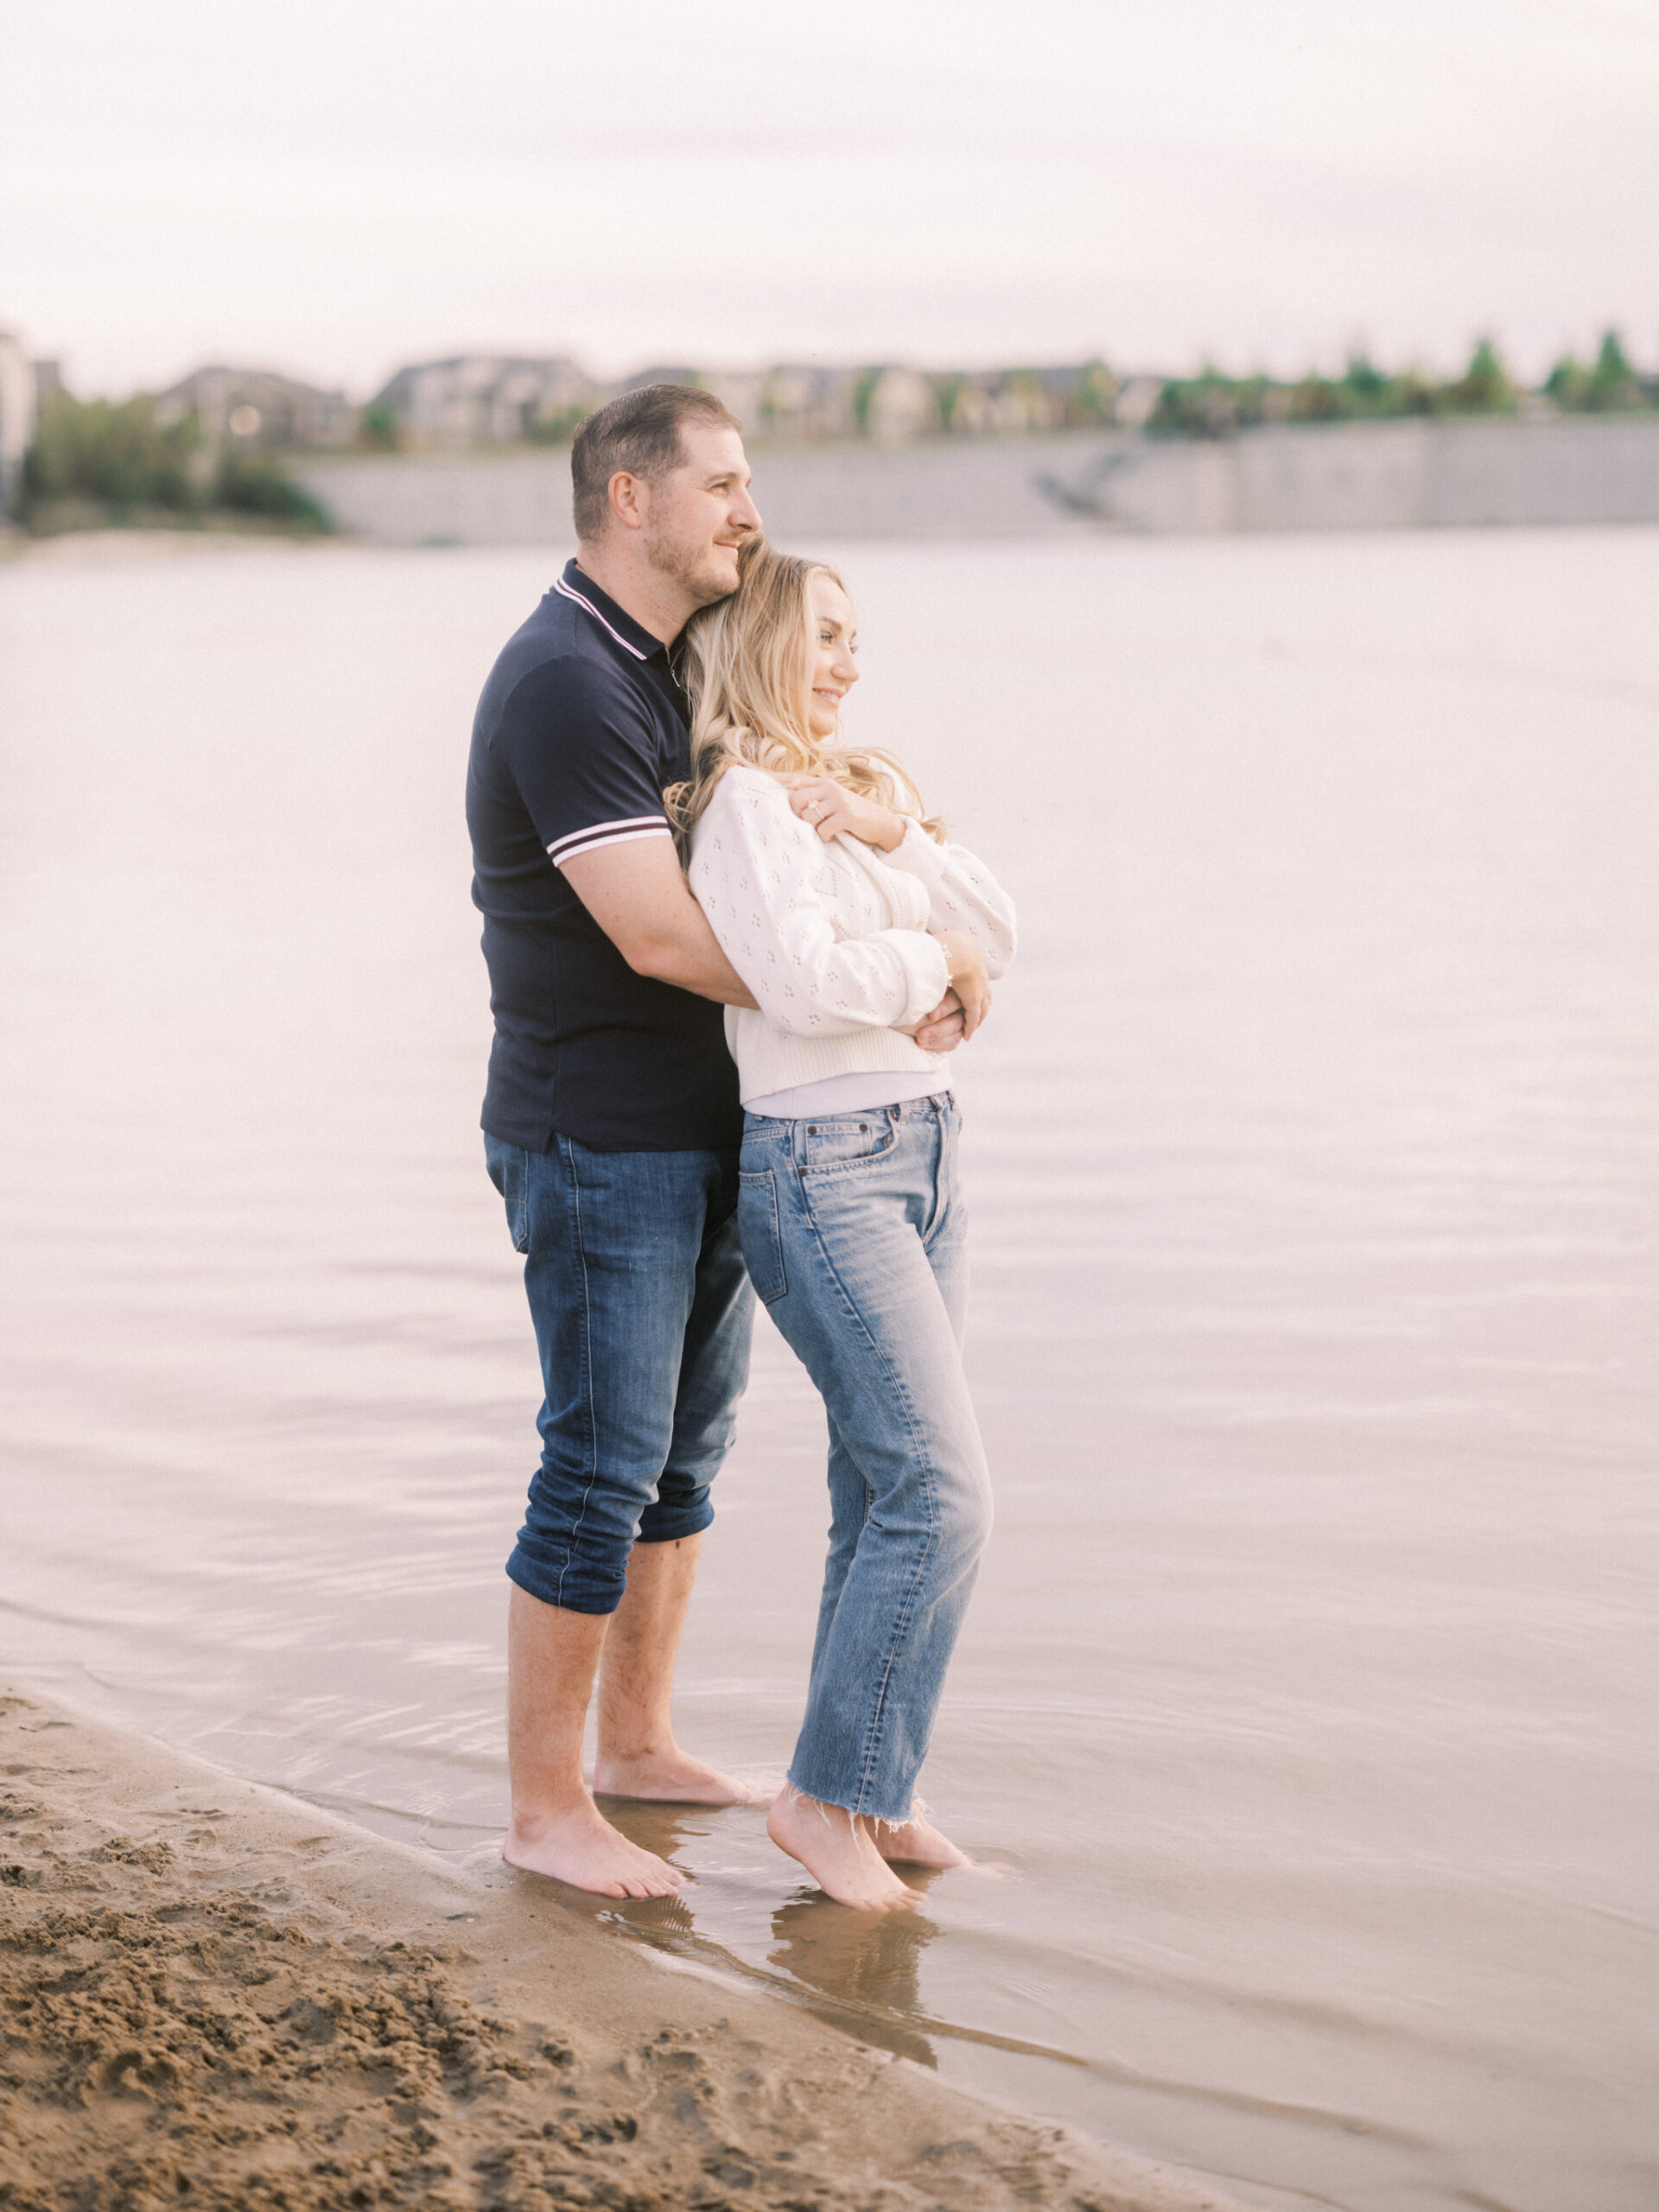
[(565, 592)]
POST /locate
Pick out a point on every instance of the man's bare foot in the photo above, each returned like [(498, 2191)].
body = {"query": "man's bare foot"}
[(671, 1777), (914, 1842), (838, 1853), (581, 1847)]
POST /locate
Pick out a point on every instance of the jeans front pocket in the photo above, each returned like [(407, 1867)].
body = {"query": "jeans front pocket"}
[(761, 1238), (845, 1140)]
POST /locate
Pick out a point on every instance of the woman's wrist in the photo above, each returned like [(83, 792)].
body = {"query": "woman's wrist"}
[(956, 949)]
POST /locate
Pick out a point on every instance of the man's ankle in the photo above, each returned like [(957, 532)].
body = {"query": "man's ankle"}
[(530, 1817), (632, 1754)]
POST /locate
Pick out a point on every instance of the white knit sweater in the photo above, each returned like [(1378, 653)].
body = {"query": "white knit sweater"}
[(832, 939)]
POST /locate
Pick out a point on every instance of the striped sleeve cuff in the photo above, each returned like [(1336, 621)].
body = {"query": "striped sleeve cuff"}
[(606, 833)]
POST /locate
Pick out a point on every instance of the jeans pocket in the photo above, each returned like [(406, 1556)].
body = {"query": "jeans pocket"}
[(509, 1167), (762, 1238), (846, 1141)]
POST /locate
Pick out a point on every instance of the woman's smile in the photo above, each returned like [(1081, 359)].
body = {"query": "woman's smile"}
[(836, 671)]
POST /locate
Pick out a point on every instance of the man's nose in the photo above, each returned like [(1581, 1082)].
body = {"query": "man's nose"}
[(745, 514)]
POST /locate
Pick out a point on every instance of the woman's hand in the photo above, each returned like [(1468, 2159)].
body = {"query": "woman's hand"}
[(968, 978), (830, 809)]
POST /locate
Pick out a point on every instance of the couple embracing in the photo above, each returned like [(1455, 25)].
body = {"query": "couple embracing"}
[(728, 959)]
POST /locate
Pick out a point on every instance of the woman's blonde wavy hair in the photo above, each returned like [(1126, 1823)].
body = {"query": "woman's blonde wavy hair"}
[(747, 664)]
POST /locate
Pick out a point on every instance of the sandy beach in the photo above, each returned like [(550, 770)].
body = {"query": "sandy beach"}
[(214, 1995)]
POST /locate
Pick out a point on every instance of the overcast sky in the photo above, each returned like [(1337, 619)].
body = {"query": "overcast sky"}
[(336, 188)]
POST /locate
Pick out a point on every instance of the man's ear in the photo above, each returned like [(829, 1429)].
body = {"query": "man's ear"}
[(627, 495)]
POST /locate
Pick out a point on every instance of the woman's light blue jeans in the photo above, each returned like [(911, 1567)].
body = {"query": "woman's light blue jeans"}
[(854, 1235)]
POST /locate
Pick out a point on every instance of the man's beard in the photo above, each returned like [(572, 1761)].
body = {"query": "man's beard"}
[(702, 573)]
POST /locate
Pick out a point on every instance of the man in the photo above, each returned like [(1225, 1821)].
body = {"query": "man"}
[(612, 1125)]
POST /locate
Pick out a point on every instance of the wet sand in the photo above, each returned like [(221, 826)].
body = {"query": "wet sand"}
[(214, 1995)]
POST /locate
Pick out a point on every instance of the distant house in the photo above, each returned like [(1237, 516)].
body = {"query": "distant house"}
[(793, 401), (811, 401), (893, 404), (1021, 402), (1080, 398), (988, 402), (258, 409), (16, 413), (898, 405), (965, 405), (739, 390), (660, 373), (1133, 407), (484, 399)]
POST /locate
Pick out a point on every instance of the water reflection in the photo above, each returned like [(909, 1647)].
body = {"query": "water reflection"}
[(863, 1971), (673, 1832), (868, 1963)]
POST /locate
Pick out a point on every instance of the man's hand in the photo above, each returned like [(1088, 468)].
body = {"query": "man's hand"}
[(964, 1006), (638, 895), (968, 979), (942, 1030)]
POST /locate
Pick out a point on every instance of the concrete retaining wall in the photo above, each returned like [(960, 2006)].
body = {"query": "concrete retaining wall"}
[(1351, 476)]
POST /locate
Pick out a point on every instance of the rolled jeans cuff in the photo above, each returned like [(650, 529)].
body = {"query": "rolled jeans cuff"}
[(576, 1584)]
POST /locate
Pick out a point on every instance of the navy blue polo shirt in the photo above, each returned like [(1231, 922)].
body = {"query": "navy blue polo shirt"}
[(579, 730)]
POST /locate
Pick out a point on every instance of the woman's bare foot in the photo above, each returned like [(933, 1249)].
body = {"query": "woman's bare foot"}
[(836, 1852), (581, 1847), (671, 1776), (914, 1842)]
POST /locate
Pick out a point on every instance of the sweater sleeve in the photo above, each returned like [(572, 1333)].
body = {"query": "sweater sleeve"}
[(961, 894), (754, 871)]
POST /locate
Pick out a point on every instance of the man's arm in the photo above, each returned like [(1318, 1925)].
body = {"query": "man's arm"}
[(637, 893)]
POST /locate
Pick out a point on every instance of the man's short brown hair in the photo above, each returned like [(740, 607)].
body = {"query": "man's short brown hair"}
[(640, 433)]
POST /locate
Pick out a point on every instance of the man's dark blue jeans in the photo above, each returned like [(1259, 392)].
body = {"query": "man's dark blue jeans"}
[(642, 1311)]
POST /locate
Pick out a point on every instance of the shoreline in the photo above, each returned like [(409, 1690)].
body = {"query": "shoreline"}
[(99, 547), (217, 1995)]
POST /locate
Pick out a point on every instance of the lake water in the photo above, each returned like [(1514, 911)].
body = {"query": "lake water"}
[(1307, 1709)]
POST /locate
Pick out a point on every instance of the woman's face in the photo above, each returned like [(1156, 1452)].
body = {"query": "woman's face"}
[(836, 671)]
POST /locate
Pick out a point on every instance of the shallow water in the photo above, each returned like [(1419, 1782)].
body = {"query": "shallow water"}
[(1306, 1711)]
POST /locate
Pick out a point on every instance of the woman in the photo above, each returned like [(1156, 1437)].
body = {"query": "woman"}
[(850, 920)]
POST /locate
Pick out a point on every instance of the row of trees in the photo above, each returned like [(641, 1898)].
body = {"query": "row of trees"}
[(94, 458), (1610, 386), (1212, 405)]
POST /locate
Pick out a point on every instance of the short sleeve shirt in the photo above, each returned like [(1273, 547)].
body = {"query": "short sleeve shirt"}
[(580, 728)]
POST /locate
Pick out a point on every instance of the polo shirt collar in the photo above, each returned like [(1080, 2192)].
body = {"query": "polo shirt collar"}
[(640, 643)]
